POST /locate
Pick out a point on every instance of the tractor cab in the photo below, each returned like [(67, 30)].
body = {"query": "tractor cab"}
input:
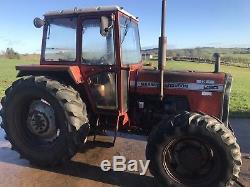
[(103, 42)]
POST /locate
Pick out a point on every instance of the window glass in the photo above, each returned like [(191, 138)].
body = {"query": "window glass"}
[(97, 49), (103, 90), (130, 41), (61, 40)]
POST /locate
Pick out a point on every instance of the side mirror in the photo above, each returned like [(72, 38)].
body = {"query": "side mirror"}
[(104, 28), (38, 22)]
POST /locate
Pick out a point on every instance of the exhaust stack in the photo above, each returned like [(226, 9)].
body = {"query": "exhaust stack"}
[(162, 54)]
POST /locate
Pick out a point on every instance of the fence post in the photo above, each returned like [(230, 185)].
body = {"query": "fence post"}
[(217, 62)]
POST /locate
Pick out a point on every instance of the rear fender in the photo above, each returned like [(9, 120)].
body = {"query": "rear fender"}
[(68, 74), (64, 72)]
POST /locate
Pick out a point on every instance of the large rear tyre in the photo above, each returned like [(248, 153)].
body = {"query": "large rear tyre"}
[(192, 149), (44, 120)]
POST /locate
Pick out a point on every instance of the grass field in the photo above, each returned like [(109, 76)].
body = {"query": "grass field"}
[(8, 72), (240, 97)]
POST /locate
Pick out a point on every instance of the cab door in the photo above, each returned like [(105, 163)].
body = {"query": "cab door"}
[(130, 53), (98, 65)]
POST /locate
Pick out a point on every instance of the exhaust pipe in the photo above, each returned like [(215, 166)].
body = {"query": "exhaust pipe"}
[(162, 54)]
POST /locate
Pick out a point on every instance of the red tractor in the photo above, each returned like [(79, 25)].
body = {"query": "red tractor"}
[(91, 77)]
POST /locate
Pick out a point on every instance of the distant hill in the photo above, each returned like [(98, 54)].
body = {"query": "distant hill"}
[(202, 51), (239, 56)]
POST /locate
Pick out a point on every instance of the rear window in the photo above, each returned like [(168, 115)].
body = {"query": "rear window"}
[(61, 40)]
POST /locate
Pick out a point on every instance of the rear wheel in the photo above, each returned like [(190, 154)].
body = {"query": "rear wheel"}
[(193, 150), (44, 120)]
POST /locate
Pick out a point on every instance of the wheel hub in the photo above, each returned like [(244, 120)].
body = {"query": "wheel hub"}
[(191, 155), (41, 120), (188, 159)]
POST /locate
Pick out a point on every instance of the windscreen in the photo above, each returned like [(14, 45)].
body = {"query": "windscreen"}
[(97, 49)]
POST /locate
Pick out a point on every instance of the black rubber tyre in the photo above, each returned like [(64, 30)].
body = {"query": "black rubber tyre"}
[(70, 119), (193, 149)]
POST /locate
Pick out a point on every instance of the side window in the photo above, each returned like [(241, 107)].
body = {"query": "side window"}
[(103, 90), (130, 41), (61, 40), (96, 49)]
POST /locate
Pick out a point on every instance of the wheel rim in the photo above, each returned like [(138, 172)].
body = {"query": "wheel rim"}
[(191, 160), (41, 121)]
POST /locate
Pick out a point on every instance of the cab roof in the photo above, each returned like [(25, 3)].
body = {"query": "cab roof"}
[(98, 9)]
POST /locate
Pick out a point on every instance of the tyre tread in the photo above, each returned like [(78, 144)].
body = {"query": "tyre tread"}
[(204, 123)]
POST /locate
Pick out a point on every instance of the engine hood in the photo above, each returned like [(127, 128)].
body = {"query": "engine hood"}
[(204, 92), (178, 80)]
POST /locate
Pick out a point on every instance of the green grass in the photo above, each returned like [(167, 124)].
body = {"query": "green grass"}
[(8, 72), (245, 56), (240, 97)]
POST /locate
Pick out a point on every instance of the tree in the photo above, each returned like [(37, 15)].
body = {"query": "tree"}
[(11, 54)]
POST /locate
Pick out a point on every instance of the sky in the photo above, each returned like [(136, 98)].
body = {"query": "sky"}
[(190, 23)]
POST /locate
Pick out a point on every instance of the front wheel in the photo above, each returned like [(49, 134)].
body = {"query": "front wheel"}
[(192, 149)]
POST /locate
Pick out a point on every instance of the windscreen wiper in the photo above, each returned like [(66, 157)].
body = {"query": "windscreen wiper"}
[(126, 30)]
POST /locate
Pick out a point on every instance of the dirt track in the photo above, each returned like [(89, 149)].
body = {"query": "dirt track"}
[(84, 169)]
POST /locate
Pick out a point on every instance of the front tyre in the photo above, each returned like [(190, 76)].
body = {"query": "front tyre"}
[(192, 149), (43, 119)]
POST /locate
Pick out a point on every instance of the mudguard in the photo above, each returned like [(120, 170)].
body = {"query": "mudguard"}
[(73, 71)]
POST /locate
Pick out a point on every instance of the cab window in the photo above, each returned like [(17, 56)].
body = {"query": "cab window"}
[(61, 39), (96, 49), (130, 41), (103, 90)]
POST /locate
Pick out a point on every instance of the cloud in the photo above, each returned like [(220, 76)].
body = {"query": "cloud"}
[(170, 46), (223, 45), (214, 44)]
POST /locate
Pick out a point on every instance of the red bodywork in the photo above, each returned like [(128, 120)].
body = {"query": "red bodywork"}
[(73, 71), (192, 85), (146, 82), (178, 83)]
